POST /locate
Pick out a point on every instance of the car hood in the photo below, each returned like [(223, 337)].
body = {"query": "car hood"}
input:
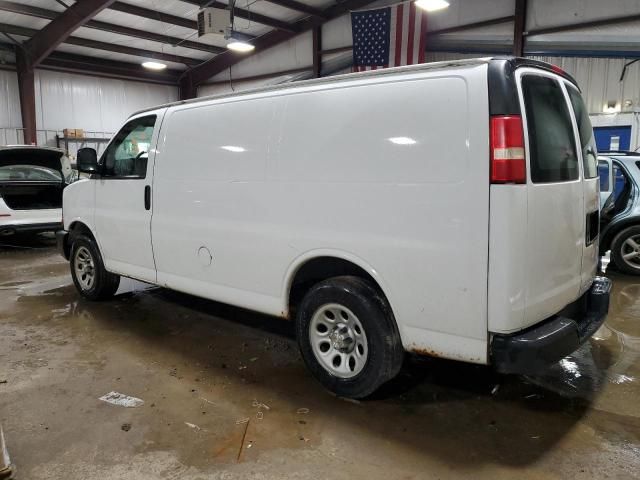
[(40, 157)]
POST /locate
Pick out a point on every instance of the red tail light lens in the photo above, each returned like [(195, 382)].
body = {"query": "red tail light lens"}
[(508, 163)]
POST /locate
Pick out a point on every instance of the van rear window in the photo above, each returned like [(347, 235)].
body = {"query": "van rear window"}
[(587, 140), (552, 149)]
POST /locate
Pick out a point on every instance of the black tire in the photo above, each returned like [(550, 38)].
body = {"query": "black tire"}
[(617, 247), (104, 284), (384, 348)]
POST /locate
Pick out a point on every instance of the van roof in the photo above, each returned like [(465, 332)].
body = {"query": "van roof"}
[(512, 62)]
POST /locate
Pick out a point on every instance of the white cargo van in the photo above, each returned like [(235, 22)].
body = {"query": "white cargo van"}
[(448, 209)]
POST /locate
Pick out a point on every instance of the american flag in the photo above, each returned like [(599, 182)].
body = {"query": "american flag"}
[(388, 37)]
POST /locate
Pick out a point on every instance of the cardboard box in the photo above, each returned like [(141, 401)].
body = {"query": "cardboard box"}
[(73, 133)]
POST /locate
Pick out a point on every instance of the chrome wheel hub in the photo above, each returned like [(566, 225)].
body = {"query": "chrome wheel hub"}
[(84, 268), (631, 251), (338, 340)]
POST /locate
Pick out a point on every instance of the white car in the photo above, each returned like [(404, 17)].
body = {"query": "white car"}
[(31, 183), (443, 209)]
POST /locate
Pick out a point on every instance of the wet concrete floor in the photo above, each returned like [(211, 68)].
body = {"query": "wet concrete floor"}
[(226, 395)]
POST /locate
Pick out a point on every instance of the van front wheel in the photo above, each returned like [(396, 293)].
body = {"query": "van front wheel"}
[(88, 272), (348, 336), (625, 250)]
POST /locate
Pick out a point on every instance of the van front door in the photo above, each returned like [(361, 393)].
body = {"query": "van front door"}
[(123, 199), (553, 251)]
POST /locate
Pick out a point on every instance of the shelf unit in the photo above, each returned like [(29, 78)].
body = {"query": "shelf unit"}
[(81, 140)]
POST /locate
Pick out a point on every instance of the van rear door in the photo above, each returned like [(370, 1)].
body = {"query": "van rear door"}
[(589, 161), (553, 249)]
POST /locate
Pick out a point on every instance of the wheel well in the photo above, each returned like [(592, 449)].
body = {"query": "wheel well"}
[(79, 228), (323, 268)]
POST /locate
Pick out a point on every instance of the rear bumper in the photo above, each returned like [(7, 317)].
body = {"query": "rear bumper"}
[(62, 237), (534, 349), (10, 229)]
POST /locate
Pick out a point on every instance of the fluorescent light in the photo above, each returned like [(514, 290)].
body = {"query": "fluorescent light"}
[(238, 46), (432, 5), (233, 148), (154, 65), (402, 140)]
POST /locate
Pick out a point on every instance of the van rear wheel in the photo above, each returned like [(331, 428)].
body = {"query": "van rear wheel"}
[(625, 250), (87, 270), (348, 336)]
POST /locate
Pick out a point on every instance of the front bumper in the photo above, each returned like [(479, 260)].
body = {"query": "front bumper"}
[(534, 349), (62, 237)]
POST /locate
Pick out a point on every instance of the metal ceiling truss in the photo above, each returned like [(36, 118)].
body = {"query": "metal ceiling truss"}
[(109, 47), (113, 28), (206, 70), (41, 46)]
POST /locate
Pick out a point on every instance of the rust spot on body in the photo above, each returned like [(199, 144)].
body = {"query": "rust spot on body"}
[(425, 351)]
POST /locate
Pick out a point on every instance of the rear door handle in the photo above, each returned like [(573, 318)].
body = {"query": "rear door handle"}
[(147, 197)]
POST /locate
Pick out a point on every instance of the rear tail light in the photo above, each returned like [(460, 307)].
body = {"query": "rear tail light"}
[(508, 163)]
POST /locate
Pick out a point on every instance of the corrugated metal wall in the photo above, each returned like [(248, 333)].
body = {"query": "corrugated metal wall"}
[(599, 79), (65, 100), (9, 100)]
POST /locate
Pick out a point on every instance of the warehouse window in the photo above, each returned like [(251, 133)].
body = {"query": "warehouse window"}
[(127, 155), (552, 149)]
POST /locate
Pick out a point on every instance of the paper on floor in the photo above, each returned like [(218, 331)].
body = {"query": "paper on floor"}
[(121, 400)]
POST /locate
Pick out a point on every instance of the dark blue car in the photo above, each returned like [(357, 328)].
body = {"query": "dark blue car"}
[(620, 209)]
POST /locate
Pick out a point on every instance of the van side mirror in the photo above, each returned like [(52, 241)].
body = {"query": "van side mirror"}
[(87, 160)]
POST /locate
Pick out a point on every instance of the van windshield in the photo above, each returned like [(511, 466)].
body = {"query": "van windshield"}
[(552, 151)]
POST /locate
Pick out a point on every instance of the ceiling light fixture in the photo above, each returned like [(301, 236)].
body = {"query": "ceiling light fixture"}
[(154, 65), (432, 5), (236, 41), (239, 46), (402, 140), (233, 148)]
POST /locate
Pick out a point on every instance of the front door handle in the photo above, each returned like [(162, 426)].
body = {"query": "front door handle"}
[(147, 197)]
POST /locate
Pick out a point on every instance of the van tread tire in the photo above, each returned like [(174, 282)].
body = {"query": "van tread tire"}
[(386, 353), (106, 283)]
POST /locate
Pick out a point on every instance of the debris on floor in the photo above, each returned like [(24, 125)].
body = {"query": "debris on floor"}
[(259, 405), (302, 411), (125, 427), (6, 469), (122, 400), (193, 425)]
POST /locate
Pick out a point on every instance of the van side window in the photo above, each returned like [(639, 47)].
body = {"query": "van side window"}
[(585, 129), (552, 149), (127, 155)]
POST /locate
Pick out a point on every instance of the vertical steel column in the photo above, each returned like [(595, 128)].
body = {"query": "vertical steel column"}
[(27, 91), (186, 88), (317, 48), (519, 25)]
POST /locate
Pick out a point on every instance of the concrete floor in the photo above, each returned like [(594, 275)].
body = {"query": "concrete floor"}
[(204, 368)]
